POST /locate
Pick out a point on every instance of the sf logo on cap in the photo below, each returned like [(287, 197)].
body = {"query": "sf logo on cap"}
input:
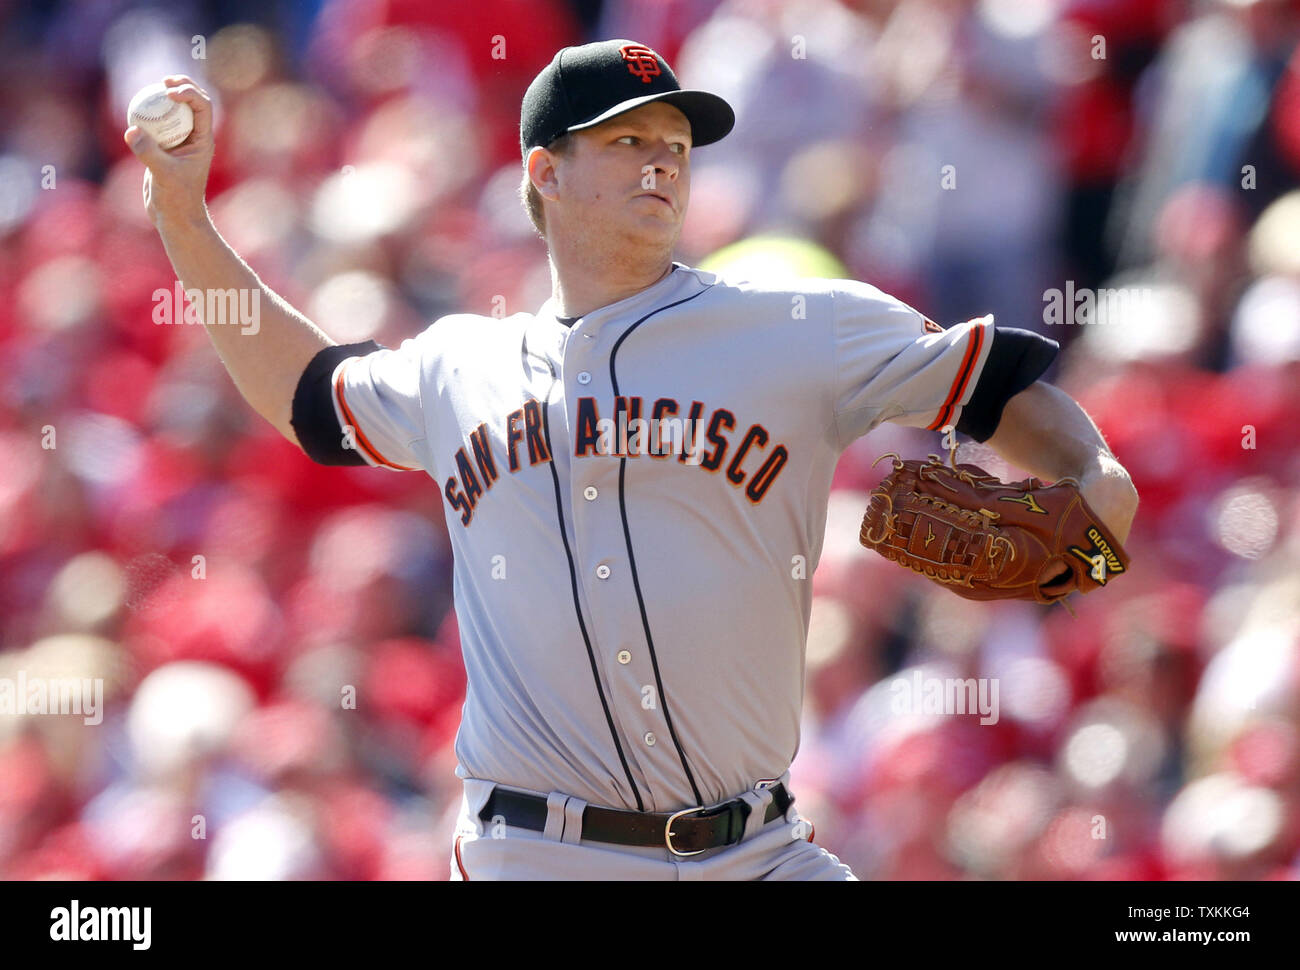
[(641, 61)]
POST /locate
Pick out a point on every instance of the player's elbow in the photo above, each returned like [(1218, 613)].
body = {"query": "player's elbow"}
[(289, 434), (1128, 495)]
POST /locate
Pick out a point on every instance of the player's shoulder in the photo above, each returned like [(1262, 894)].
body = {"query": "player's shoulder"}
[(746, 281), (848, 296), (862, 303)]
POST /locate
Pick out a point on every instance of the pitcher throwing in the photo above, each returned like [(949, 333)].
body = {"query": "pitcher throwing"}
[(628, 475)]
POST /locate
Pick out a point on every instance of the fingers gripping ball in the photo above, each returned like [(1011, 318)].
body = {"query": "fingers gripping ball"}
[(166, 121), (988, 539)]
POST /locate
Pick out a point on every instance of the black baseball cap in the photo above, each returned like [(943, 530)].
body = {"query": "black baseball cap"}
[(583, 86)]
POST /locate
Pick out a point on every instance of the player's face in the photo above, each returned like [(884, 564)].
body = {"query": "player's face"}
[(629, 179)]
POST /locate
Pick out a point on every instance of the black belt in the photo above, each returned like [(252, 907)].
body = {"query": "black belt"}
[(688, 832)]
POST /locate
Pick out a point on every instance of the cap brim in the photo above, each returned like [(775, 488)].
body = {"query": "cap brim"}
[(711, 117)]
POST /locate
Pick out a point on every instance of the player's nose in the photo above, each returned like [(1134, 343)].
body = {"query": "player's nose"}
[(665, 160)]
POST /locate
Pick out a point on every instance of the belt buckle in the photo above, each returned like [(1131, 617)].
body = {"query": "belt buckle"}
[(668, 831)]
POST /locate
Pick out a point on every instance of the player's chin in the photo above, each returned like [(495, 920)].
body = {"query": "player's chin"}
[(652, 238), (659, 221)]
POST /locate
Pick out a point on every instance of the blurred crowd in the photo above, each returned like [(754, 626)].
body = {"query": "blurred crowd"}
[(281, 665)]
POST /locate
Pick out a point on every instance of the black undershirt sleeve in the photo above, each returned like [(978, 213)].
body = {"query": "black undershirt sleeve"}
[(313, 418), (1016, 359)]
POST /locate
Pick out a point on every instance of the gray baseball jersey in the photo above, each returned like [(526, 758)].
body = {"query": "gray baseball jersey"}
[(636, 501)]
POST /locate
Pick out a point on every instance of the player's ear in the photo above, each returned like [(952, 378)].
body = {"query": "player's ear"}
[(542, 173)]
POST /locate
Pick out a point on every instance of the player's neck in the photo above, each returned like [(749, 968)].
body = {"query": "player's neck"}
[(578, 288)]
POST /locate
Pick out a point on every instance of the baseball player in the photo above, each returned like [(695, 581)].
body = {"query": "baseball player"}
[(632, 476)]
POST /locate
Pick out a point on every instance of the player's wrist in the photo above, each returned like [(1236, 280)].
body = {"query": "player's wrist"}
[(178, 223), (1109, 490)]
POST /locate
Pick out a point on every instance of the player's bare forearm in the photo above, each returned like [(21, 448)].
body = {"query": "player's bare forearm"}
[(266, 355), (1044, 431), (266, 360)]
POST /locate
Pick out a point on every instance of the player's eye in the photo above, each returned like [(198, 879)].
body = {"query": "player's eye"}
[(680, 147)]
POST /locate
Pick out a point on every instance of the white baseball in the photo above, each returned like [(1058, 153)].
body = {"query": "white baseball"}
[(166, 121)]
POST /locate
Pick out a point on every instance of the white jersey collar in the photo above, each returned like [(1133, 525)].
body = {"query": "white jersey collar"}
[(649, 298)]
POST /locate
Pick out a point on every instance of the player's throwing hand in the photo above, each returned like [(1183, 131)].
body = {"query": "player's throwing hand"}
[(175, 180)]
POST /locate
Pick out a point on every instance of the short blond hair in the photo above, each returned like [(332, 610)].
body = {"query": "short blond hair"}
[(528, 193)]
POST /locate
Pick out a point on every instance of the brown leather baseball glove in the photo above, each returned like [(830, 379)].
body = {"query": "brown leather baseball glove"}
[(988, 539)]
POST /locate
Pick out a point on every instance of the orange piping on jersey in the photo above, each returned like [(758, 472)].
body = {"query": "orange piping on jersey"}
[(365, 444), (460, 865), (959, 382)]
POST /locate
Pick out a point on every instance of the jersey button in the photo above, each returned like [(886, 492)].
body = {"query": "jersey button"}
[(602, 571), (624, 657), (590, 493), (650, 738), (584, 378)]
